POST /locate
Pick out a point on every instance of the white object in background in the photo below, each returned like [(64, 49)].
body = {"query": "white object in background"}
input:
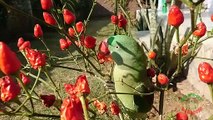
[(160, 5), (209, 5)]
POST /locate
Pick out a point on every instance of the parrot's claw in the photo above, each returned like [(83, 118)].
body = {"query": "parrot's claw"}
[(110, 85)]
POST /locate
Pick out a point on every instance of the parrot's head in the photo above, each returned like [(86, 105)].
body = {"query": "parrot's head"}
[(122, 48)]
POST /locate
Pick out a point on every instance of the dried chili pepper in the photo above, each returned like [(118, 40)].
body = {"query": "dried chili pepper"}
[(115, 110), (9, 89), (24, 78), (81, 86), (36, 58), (100, 106), (48, 100)]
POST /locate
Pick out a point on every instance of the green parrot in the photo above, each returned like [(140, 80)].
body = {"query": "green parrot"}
[(130, 75)]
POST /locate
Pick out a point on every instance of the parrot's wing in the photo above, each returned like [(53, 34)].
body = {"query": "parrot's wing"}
[(127, 82)]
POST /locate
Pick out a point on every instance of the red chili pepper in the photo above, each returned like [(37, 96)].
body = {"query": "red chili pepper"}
[(151, 72), (151, 54), (23, 44), (71, 32), (49, 19), (70, 89), (36, 58), (38, 31), (69, 17), (212, 17), (48, 100), (9, 89), (64, 43), (69, 42), (89, 42), (103, 48), (205, 72), (185, 49), (79, 27), (71, 109), (20, 41), (81, 86), (163, 79), (9, 63), (121, 21), (104, 53), (24, 79), (46, 4), (120, 16), (114, 19), (200, 30), (114, 108), (103, 57), (101, 106), (175, 16), (181, 116)]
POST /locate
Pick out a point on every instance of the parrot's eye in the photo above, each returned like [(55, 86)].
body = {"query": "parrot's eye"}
[(117, 46)]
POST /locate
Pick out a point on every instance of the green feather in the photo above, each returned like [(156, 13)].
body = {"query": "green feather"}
[(129, 74)]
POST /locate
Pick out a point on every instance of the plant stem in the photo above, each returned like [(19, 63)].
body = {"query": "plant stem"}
[(48, 50), (161, 102), (56, 88), (25, 90), (206, 38), (192, 12), (99, 97), (194, 47), (179, 66), (204, 58), (73, 58), (83, 103), (84, 55), (76, 69), (40, 79), (125, 13), (45, 115), (114, 98), (116, 7), (36, 81), (21, 104), (211, 90), (90, 13), (143, 94)]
